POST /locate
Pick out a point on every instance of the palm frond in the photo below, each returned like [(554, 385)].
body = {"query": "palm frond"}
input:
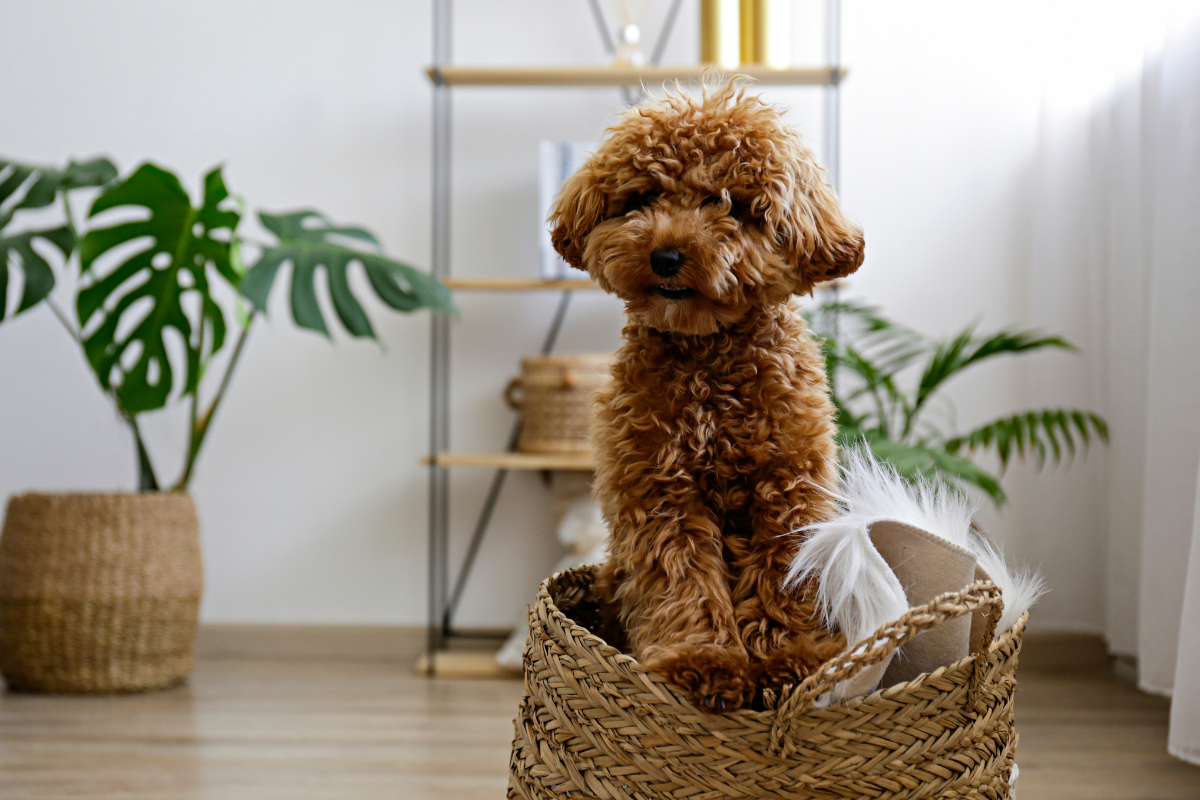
[(1055, 432), (868, 318), (885, 405), (844, 419), (890, 402), (962, 351)]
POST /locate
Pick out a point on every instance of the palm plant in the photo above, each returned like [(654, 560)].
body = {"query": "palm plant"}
[(161, 279), (885, 378)]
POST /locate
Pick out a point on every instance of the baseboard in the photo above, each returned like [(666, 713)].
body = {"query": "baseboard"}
[(373, 644), (345, 643), (465, 664), (1043, 651), (1064, 651), (1125, 668)]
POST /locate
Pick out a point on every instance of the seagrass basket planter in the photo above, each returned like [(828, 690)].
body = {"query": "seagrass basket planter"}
[(594, 723), (554, 396), (99, 593)]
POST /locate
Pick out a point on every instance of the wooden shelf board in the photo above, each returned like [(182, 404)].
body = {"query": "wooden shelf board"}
[(515, 284), (455, 75), (465, 664), (567, 462)]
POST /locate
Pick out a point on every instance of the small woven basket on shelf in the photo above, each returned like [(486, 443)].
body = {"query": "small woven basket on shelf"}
[(594, 723), (99, 593), (554, 396)]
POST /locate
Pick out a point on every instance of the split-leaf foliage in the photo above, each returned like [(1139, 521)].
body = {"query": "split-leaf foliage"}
[(159, 279), (24, 187)]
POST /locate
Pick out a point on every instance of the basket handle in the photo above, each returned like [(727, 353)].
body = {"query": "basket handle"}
[(795, 700), (510, 394)]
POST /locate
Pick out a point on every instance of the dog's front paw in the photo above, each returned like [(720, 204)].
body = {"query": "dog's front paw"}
[(795, 661), (717, 678)]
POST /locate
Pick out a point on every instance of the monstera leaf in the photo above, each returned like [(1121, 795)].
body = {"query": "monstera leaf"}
[(308, 241), (126, 313), (23, 186)]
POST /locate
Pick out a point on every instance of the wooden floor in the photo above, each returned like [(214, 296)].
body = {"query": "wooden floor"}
[(272, 715)]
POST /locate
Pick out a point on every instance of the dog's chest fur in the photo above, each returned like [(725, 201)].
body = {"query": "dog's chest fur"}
[(712, 411)]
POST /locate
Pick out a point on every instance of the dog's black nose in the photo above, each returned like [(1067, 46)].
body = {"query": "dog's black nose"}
[(666, 262)]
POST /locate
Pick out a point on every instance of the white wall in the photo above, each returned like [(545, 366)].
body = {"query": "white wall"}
[(311, 499)]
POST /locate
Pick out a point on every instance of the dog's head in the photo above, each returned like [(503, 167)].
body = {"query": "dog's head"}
[(695, 211)]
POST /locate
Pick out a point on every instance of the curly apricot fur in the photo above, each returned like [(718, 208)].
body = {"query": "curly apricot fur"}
[(716, 436)]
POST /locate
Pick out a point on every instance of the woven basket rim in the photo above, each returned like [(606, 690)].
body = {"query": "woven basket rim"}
[(766, 716)]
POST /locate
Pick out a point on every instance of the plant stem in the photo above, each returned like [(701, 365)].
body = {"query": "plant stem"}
[(69, 216), (201, 424), (66, 323), (146, 480), (194, 409)]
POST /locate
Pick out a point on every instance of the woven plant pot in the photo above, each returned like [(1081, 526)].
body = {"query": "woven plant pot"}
[(99, 593), (594, 723), (554, 396)]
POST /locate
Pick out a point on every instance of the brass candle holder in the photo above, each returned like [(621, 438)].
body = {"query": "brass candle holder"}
[(736, 32), (719, 33), (766, 32)]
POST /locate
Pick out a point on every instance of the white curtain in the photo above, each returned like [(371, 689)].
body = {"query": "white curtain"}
[(1115, 258), (1185, 705)]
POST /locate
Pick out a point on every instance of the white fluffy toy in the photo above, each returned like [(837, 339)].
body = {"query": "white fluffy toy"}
[(866, 580)]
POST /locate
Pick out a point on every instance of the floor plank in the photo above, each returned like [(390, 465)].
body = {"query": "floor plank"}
[(1085, 734), (285, 719), (265, 730)]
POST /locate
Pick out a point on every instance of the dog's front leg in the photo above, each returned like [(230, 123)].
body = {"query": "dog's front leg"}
[(674, 594), (779, 627)]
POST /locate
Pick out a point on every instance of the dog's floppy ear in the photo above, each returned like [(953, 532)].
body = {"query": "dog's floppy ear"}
[(579, 208), (821, 243)]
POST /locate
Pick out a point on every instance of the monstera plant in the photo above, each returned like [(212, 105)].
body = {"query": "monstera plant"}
[(100, 592), (886, 379), (163, 284)]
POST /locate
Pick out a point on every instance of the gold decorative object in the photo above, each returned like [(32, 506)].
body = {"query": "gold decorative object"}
[(766, 32), (719, 42)]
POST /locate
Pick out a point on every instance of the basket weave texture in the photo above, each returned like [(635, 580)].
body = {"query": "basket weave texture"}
[(99, 593), (594, 723), (554, 396)]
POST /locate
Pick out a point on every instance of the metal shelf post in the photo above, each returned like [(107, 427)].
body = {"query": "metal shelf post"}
[(439, 360)]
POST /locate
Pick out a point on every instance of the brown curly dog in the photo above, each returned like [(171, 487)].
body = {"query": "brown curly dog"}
[(716, 437)]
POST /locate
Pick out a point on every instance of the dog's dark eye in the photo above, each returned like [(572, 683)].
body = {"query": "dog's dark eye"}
[(636, 202), (742, 211)]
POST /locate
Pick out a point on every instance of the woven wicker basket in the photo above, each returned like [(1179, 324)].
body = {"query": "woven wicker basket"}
[(595, 724), (554, 396), (99, 593)]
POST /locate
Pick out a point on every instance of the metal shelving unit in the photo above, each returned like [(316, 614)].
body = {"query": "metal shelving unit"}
[(444, 75)]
